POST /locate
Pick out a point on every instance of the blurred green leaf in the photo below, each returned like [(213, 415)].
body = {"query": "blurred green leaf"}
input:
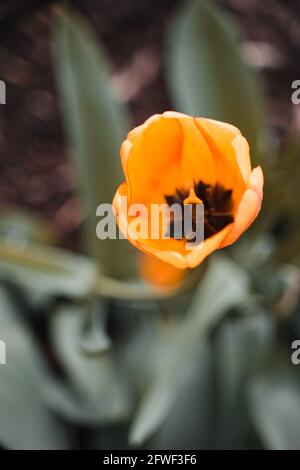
[(25, 422), (189, 424), (223, 286), (242, 346), (206, 72), (274, 404), (96, 124), (97, 391), (94, 339), (45, 270), (285, 213), (23, 225)]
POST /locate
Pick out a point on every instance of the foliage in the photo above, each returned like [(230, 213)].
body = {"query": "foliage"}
[(90, 349)]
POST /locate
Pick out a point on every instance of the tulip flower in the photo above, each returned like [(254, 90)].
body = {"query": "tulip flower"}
[(177, 159)]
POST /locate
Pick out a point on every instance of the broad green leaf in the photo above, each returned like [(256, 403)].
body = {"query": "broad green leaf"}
[(45, 270), (96, 124), (25, 421), (97, 391), (242, 346), (274, 405), (206, 72), (223, 286), (189, 424)]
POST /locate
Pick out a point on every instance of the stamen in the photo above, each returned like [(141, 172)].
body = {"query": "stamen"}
[(218, 205), (192, 198)]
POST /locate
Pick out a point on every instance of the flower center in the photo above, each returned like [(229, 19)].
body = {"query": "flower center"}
[(218, 205)]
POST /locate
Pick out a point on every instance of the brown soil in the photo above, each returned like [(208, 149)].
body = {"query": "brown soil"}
[(35, 171)]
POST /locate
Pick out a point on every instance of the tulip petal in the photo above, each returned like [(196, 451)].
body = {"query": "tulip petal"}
[(242, 152), (219, 137), (159, 273), (175, 114), (211, 244), (191, 258), (150, 151), (197, 162), (249, 207), (240, 146)]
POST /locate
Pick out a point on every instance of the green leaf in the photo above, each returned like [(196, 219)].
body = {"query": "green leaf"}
[(96, 124), (97, 391), (285, 213), (242, 346), (193, 409), (206, 72), (94, 339), (47, 271), (223, 286), (274, 405), (25, 421), (25, 226)]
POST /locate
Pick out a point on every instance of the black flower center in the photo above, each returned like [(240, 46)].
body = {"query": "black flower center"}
[(218, 207)]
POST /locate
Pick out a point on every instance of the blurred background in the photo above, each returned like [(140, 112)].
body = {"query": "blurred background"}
[(36, 172), (84, 367)]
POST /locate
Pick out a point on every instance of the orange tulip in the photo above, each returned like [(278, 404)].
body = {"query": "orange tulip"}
[(173, 157)]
